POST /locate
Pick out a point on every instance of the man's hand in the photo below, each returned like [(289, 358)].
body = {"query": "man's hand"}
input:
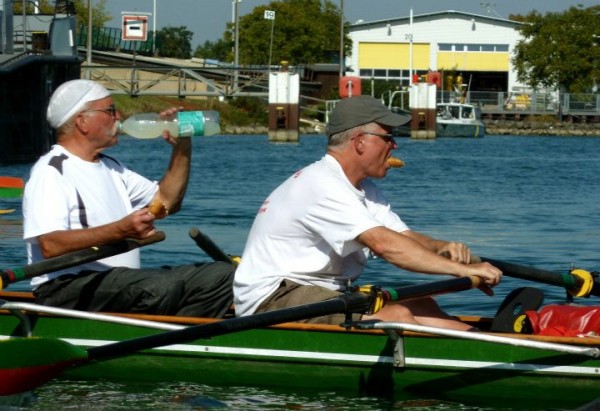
[(138, 225), (456, 252)]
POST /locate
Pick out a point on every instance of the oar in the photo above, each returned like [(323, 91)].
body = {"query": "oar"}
[(579, 283), (208, 246), (11, 187), (28, 368), (74, 258)]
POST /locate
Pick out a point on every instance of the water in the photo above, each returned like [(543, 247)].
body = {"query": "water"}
[(527, 200)]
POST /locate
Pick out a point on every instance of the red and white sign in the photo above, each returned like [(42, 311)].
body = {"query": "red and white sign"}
[(135, 28)]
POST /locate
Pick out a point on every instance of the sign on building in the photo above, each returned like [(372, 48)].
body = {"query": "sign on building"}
[(135, 28)]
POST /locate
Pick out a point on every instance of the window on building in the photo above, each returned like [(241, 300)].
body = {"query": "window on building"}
[(475, 47)]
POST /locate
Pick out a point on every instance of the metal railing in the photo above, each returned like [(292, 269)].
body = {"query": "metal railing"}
[(536, 103)]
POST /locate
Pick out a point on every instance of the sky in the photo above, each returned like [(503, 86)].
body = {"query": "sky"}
[(207, 19)]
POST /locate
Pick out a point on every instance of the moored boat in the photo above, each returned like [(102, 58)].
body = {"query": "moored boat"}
[(459, 120), (512, 369)]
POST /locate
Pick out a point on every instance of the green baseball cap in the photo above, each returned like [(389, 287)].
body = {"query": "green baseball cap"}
[(358, 110)]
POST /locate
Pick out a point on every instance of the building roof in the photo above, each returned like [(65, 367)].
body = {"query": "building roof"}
[(429, 16)]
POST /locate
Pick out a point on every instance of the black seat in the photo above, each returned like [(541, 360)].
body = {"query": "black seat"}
[(510, 316)]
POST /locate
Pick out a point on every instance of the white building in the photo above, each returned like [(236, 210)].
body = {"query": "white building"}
[(477, 47)]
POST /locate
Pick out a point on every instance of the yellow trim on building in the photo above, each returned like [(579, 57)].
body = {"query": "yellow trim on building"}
[(393, 56), (473, 61)]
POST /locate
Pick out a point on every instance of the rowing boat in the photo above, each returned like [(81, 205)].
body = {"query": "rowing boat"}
[(366, 359), (394, 360)]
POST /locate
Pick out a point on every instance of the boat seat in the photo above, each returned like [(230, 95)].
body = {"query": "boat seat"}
[(511, 313)]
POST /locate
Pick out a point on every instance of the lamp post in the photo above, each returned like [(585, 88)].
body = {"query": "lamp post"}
[(236, 55), (89, 41), (341, 38), (154, 27)]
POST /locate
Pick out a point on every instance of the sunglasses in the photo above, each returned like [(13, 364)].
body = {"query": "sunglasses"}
[(388, 138), (110, 110)]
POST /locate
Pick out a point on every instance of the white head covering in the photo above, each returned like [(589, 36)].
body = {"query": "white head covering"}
[(70, 97)]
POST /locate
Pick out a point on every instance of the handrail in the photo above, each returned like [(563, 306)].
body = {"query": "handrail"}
[(478, 336), (42, 309)]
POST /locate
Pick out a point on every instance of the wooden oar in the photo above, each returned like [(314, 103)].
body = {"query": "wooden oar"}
[(11, 187), (86, 255), (25, 372), (7, 211), (579, 283)]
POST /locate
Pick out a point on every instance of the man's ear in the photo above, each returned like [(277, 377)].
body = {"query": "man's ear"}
[(359, 143), (81, 122)]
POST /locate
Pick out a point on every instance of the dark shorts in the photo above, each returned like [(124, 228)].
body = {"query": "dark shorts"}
[(194, 290), (291, 294)]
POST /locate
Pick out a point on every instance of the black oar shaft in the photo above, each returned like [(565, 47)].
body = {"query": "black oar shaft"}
[(75, 258), (208, 246), (354, 302), (533, 274), (412, 292)]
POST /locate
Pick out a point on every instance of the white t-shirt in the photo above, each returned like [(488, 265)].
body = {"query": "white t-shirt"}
[(306, 231), (65, 192)]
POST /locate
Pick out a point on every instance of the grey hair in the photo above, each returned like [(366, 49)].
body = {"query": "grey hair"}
[(69, 125), (340, 139)]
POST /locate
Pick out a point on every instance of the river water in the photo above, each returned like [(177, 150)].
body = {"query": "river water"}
[(527, 200)]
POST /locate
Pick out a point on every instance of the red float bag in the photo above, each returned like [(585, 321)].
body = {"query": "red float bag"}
[(565, 320)]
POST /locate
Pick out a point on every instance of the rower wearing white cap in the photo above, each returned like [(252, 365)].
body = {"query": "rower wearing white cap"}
[(77, 197)]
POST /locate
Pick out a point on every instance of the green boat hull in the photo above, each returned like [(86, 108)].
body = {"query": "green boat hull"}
[(331, 359)]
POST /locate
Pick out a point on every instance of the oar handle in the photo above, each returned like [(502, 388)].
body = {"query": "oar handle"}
[(75, 258), (412, 292), (572, 283), (208, 246)]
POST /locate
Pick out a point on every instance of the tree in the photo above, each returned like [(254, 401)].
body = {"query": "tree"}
[(304, 32), (174, 42), (99, 13), (560, 50), (219, 50)]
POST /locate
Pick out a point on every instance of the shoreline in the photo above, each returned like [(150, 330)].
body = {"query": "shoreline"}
[(493, 127), (540, 128)]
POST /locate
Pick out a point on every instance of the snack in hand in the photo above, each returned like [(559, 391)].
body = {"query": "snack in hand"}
[(158, 208), (395, 162)]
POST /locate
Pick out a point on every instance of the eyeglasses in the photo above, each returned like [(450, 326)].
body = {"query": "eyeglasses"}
[(388, 138), (110, 110)]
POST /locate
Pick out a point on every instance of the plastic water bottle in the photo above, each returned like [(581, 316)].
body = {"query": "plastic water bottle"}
[(187, 124)]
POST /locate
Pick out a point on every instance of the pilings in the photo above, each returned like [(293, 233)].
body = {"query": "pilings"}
[(284, 107), (422, 108)]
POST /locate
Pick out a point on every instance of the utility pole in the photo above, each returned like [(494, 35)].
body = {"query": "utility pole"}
[(236, 51)]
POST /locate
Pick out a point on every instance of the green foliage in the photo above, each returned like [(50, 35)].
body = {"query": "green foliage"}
[(560, 50), (247, 111), (99, 13), (219, 50), (174, 42), (304, 32)]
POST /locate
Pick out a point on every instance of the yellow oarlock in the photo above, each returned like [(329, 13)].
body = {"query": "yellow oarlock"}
[(587, 283), (236, 259), (377, 299)]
